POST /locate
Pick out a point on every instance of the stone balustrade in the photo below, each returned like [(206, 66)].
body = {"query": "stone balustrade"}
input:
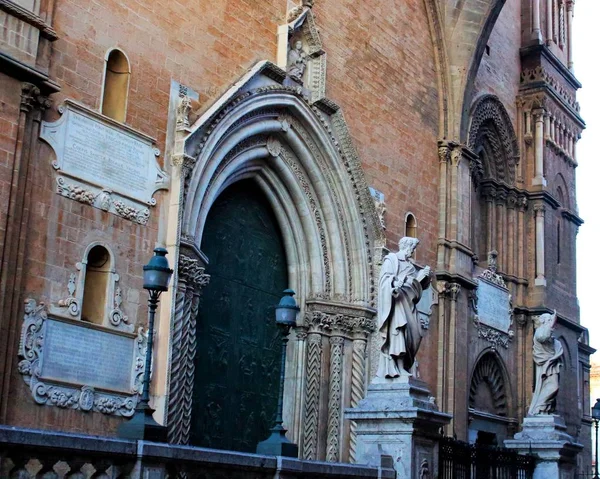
[(29, 453)]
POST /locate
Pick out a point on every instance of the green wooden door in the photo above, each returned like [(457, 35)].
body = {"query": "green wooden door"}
[(238, 353)]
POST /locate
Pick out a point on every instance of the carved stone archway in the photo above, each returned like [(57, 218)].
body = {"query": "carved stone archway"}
[(488, 391), (301, 156)]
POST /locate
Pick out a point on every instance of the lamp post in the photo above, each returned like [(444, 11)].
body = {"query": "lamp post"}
[(596, 418), (277, 444), (142, 425)]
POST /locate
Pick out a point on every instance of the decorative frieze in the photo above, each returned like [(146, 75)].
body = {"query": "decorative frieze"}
[(533, 76)]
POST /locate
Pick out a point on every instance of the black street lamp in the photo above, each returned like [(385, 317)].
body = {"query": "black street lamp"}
[(596, 418), (277, 444), (142, 425)]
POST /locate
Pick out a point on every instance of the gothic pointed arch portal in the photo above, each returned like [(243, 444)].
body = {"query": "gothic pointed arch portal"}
[(299, 154)]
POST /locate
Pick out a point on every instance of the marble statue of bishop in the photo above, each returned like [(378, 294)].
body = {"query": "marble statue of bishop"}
[(401, 285)]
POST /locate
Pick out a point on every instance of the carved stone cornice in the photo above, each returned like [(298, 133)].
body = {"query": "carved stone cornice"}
[(333, 319)]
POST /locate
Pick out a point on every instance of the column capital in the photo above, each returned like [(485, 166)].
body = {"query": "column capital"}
[(539, 209)]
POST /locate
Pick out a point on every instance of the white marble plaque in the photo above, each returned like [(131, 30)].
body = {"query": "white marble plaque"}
[(493, 305), (104, 163), (80, 355)]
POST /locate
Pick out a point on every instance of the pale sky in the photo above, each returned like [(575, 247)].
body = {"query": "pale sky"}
[(587, 71)]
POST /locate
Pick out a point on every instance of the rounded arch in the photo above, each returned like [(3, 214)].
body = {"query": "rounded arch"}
[(316, 188), (488, 387), (492, 136), (410, 225), (115, 84)]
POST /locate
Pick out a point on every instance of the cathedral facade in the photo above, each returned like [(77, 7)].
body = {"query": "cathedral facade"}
[(280, 144)]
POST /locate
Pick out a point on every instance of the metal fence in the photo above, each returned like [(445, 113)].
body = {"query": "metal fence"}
[(460, 460)]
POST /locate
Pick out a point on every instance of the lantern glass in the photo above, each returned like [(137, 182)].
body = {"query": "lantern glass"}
[(285, 315), (156, 279), (596, 410), (157, 272)]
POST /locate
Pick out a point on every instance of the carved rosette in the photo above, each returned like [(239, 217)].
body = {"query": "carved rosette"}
[(84, 398), (191, 280)]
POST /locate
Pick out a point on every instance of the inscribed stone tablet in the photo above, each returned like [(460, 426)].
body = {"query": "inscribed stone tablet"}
[(104, 153), (493, 305), (87, 356)]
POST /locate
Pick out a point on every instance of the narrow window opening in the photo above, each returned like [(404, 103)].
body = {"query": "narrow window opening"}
[(96, 285), (116, 86), (487, 50), (411, 226), (558, 241)]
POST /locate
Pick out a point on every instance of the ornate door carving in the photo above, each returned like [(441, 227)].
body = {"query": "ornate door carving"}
[(238, 354)]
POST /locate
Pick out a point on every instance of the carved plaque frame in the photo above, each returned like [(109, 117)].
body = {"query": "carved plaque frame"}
[(64, 394), (104, 163)]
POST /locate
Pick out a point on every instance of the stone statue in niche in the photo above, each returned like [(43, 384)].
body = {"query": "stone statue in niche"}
[(547, 355), (296, 61), (401, 285)]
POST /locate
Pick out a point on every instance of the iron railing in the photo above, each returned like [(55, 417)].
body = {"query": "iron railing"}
[(460, 460)]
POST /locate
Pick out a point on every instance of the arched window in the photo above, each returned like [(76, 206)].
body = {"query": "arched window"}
[(97, 272), (116, 85), (410, 223)]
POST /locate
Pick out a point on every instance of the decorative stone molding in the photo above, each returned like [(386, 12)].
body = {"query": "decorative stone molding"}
[(117, 316), (534, 76), (306, 59), (123, 186), (183, 112), (491, 127), (329, 323), (54, 393), (192, 279), (490, 274)]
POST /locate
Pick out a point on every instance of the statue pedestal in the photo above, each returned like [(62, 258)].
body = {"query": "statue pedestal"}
[(397, 418), (546, 437)]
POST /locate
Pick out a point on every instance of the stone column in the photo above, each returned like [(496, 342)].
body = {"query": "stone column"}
[(357, 386), (570, 7), (26, 147), (455, 158), (313, 390), (334, 419), (296, 426), (191, 279), (521, 243), (549, 22), (511, 237), (539, 148), (540, 273), (444, 156), (536, 32)]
